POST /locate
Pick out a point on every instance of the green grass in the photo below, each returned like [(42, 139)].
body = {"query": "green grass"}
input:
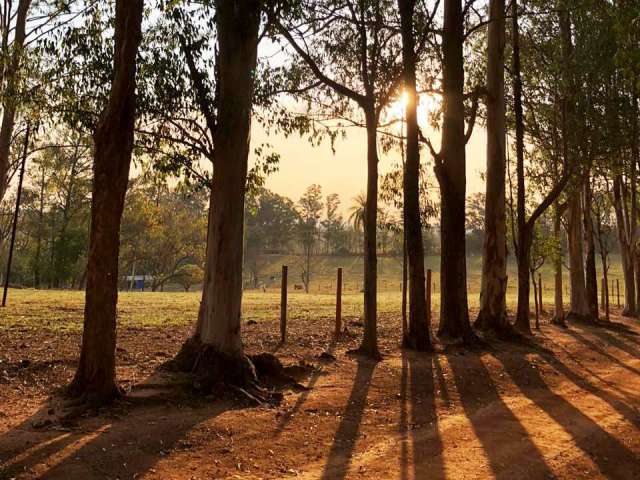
[(63, 310), (390, 273)]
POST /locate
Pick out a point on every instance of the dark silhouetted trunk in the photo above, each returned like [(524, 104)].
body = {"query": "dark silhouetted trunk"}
[(95, 377), (418, 336), (524, 231), (38, 254), (558, 316), (10, 100), (635, 213), (493, 313), (369, 344), (591, 275), (623, 224), (451, 174), (579, 303)]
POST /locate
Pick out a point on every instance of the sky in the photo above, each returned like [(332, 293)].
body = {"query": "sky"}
[(344, 172)]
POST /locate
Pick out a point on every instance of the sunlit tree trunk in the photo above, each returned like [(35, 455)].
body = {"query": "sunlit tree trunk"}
[(451, 174), (220, 310), (95, 378), (10, 100), (492, 313), (418, 336)]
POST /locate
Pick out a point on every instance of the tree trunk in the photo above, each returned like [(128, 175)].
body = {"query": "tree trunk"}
[(451, 174), (95, 377), (591, 280), (10, 102), (558, 316), (525, 229), (635, 214), (36, 262), (605, 283), (626, 248), (405, 281), (523, 323), (493, 313), (218, 329), (419, 335), (369, 344), (536, 301), (579, 303)]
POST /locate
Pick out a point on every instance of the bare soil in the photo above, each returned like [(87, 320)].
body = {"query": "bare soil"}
[(567, 405)]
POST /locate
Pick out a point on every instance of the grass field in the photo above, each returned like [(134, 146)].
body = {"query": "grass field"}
[(63, 310), (390, 273)]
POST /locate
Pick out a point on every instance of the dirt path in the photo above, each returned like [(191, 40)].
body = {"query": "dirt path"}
[(567, 408)]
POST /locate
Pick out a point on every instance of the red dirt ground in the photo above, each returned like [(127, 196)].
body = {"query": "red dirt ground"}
[(566, 407)]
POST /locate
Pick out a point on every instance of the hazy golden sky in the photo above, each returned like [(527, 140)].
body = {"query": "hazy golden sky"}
[(344, 172)]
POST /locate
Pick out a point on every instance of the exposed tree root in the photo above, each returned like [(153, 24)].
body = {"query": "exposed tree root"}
[(559, 321), (254, 380), (411, 343), (368, 352), (583, 319), (85, 394)]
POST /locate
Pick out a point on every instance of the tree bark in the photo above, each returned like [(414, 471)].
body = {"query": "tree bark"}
[(36, 261), (220, 311), (635, 214), (95, 378), (451, 174), (10, 102), (558, 316), (493, 315), (591, 280), (579, 303), (523, 323), (525, 229), (369, 346), (626, 247), (419, 335)]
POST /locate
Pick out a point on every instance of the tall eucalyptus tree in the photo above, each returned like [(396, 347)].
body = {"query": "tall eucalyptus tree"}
[(95, 377)]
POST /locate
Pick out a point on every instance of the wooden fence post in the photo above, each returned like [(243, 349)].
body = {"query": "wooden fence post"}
[(339, 303), (618, 290), (428, 292), (283, 305)]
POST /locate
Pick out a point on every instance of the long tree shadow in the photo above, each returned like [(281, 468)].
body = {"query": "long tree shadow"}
[(404, 419), (611, 340), (608, 337), (344, 442), (629, 412), (302, 398), (612, 458), (501, 434), (117, 448), (575, 359), (427, 448)]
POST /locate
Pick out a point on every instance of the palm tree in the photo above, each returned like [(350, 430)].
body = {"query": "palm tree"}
[(356, 215)]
